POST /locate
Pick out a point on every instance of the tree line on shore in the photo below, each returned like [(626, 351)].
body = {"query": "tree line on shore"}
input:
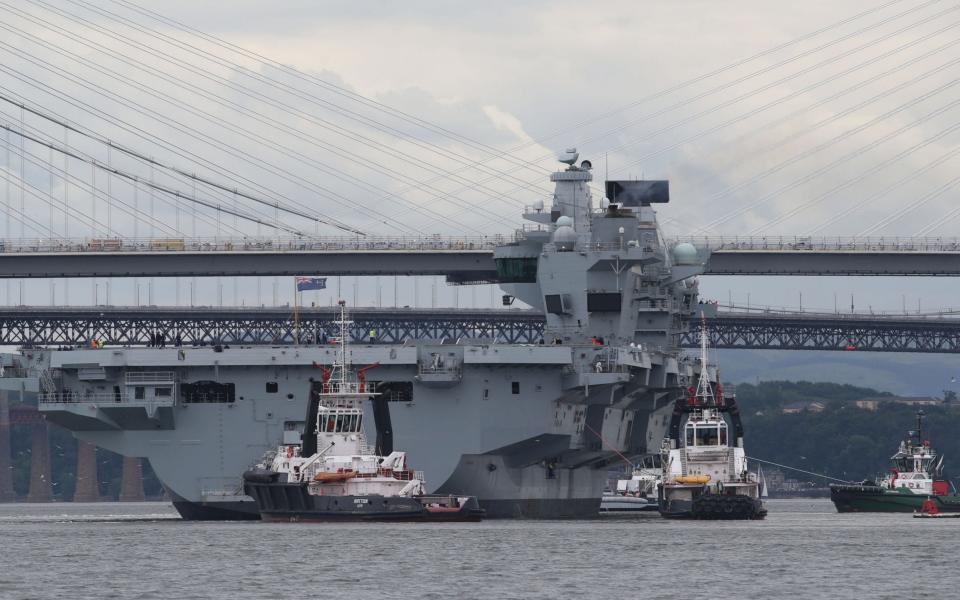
[(842, 440)]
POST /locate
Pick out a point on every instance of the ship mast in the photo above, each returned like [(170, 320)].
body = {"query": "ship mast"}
[(920, 415), (342, 366), (704, 391)]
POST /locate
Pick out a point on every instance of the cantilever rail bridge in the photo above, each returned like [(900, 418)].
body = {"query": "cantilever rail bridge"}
[(209, 325)]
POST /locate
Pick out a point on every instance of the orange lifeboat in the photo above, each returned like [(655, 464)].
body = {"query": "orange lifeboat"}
[(335, 477)]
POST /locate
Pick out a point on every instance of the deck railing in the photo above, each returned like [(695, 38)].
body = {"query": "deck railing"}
[(254, 244), (820, 244)]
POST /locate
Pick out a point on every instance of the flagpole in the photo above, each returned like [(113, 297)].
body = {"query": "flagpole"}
[(296, 312)]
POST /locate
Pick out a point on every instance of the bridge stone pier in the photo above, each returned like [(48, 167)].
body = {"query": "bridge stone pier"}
[(87, 488), (6, 472), (131, 487)]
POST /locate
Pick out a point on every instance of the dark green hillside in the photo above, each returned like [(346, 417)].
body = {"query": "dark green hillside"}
[(842, 440)]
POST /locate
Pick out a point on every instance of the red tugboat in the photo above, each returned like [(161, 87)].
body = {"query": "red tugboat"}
[(333, 475)]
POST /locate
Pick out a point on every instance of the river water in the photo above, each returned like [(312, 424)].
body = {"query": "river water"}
[(804, 549)]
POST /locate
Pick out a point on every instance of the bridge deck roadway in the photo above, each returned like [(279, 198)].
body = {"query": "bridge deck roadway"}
[(463, 265), (825, 262), (472, 265), (460, 259)]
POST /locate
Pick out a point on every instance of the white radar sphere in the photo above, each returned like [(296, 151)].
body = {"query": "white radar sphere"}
[(564, 221), (685, 254), (565, 238)]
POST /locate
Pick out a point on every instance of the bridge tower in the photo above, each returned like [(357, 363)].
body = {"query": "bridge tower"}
[(6, 473), (131, 486), (86, 489)]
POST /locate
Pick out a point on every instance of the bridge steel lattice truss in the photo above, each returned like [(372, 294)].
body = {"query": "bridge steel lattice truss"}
[(190, 326), (71, 326), (799, 331)]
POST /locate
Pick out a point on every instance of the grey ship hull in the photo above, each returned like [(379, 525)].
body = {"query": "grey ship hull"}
[(453, 430), (526, 480)]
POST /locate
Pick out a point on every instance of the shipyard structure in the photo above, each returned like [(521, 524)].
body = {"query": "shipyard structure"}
[(529, 429)]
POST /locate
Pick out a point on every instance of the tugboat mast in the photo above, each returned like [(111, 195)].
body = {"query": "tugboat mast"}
[(704, 391), (920, 415), (343, 359)]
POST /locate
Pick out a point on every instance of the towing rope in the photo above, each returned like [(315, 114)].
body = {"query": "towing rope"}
[(760, 460)]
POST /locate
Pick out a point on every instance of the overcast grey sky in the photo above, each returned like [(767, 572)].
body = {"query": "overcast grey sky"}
[(835, 134)]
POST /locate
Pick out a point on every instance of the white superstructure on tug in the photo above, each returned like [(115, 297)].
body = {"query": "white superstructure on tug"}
[(705, 476), (332, 474)]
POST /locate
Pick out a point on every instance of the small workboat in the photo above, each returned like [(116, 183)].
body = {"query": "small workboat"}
[(929, 510), (635, 495)]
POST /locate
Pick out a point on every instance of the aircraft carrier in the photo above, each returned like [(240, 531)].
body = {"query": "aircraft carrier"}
[(528, 429)]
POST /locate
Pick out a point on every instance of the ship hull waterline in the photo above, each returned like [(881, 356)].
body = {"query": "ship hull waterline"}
[(714, 507), (852, 498), (292, 502)]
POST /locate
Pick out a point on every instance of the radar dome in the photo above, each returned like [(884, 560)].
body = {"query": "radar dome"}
[(565, 238), (568, 156), (538, 205), (564, 221), (685, 254)]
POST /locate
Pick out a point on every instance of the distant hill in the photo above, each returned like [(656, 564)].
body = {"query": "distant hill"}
[(841, 441), (898, 373), (775, 395)]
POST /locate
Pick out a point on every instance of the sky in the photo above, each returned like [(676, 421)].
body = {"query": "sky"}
[(778, 119)]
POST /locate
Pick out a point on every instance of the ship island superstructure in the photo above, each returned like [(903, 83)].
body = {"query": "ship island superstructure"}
[(529, 429)]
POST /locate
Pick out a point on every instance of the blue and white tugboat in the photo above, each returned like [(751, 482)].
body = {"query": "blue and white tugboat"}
[(705, 476), (333, 475)]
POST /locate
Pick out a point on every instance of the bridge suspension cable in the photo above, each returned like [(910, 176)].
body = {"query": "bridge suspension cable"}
[(158, 187), (335, 149), (433, 128), (890, 189), (80, 214), (466, 162), (191, 176), (812, 175), (872, 170), (808, 129), (770, 68), (779, 82), (146, 136), (256, 116), (541, 139)]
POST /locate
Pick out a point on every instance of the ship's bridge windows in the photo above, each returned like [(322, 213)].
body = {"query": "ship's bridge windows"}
[(342, 423), (706, 435)]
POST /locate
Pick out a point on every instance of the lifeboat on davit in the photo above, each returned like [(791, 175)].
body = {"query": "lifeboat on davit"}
[(325, 477)]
